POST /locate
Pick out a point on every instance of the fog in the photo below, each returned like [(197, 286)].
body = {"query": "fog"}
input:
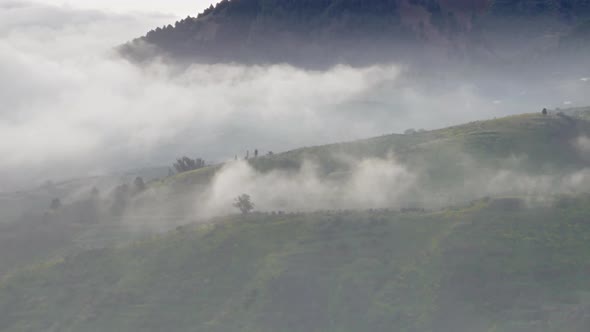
[(372, 183), (71, 107), (583, 145), (180, 8), (377, 183)]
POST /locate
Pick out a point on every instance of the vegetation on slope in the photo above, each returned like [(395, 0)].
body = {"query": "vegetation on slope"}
[(531, 143), (539, 143), (496, 265)]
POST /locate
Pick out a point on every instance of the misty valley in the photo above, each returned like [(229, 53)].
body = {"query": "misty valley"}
[(294, 165)]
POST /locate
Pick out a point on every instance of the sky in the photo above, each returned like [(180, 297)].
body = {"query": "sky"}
[(179, 8)]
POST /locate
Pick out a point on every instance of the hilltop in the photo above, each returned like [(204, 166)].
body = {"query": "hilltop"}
[(539, 143), (323, 33)]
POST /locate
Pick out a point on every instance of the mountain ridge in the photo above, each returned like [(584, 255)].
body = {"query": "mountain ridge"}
[(322, 33)]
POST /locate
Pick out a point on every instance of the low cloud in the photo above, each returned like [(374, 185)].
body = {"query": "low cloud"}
[(583, 146), (72, 107), (375, 183), (359, 184), (370, 183)]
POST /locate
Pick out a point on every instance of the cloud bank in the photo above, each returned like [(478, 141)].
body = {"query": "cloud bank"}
[(374, 183), (72, 107), (370, 183)]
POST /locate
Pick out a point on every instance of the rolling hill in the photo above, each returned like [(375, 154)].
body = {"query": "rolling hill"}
[(515, 261), (523, 155)]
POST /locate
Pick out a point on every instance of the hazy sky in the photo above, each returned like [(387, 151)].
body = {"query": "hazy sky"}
[(180, 8)]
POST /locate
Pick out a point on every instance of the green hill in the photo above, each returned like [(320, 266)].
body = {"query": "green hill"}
[(495, 265), (515, 262), (452, 166)]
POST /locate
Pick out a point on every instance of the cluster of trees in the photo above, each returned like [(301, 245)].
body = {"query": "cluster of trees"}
[(186, 164), (247, 156), (315, 13), (302, 9), (253, 31), (88, 208)]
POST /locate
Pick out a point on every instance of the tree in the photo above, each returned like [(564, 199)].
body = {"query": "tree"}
[(119, 196), (55, 204), (410, 131), (544, 111), (186, 164), (139, 184), (244, 203)]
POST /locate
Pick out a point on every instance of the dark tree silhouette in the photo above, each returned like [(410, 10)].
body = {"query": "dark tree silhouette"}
[(544, 111), (244, 203), (139, 184), (410, 131), (186, 164), (94, 193), (120, 197), (55, 204)]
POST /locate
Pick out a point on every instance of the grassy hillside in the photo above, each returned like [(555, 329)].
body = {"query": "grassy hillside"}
[(446, 158), (542, 143), (495, 265)]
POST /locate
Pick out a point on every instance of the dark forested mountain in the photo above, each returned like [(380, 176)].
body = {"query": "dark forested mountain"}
[(357, 32)]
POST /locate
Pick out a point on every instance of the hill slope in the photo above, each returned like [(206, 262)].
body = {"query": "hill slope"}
[(530, 144), (516, 262), (496, 265), (527, 155)]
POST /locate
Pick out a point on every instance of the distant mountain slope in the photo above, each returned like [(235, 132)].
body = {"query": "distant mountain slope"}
[(324, 32), (495, 265)]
